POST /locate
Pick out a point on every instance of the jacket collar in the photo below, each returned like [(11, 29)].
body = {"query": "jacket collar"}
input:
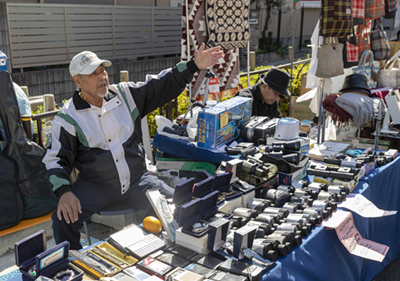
[(81, 104)]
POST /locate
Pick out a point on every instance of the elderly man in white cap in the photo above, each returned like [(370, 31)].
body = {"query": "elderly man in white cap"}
[(98, 131)]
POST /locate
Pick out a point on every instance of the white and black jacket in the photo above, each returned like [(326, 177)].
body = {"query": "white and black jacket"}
[(105, 144)]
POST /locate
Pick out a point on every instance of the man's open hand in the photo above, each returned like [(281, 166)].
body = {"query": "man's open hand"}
[(204, 59), (70, 207)]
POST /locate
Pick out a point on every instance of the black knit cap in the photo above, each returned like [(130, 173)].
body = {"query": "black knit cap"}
[(277, 80), (355, 82)]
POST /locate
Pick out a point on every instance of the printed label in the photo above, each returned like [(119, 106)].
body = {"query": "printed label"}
[(52, 258)]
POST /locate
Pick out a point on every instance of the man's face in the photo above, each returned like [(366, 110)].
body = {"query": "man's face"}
[(95, 85), (269, 95)]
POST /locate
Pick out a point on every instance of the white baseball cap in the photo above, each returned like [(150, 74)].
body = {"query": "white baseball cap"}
[(86, 62)]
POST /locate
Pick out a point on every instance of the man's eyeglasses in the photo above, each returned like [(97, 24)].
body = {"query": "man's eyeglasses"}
[(278, 94)]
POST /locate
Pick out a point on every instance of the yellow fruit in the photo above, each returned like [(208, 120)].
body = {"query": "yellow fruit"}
[(152, 224)]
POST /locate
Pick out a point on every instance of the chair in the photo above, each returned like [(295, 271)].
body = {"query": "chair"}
[(113, 210)]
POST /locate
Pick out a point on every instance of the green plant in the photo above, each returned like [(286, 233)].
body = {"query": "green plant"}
[(183, 104)]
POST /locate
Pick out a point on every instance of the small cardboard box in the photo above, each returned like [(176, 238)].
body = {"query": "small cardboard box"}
[(34, 260), (300, 110), (218, 125), (184, 165), (287, 179), (303, 84)]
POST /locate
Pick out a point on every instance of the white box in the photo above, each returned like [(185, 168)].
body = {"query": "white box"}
[(197, 244), (228, 206), (247, 197)]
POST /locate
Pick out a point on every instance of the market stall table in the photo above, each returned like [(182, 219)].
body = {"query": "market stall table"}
[(322, 256)]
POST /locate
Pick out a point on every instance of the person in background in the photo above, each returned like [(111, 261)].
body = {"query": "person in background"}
[(266, 93), (98, 132)]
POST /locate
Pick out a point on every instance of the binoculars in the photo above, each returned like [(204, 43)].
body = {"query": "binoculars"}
[(176, 130), (277, 197), (244, 149)]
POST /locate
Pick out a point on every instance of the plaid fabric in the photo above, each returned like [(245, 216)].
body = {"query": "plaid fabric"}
[(379, 45), (336, 18), (374, 9), (358, 7), (351, 52), (363, 40)]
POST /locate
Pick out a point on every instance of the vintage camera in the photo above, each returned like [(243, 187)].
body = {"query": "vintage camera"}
[(258, 129), (277, 197), (244, 149), (258, 204), (275, 244)]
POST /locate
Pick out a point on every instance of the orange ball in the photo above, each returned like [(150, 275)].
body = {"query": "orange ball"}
[(152, 224)]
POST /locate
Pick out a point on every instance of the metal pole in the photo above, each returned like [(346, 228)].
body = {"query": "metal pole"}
[(188, 54), (279, 27), (248, 63), (323, 125), (378, 119), (321, 82), (301, 27), (292, 59)]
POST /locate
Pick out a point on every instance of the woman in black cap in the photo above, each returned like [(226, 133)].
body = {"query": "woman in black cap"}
[(266, 94)]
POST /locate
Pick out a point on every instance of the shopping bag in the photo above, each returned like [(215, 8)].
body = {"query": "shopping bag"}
[(358, 7), (374, 9), (336, 19), (379, 45), (390, 76), (363, 39), (350, 50), (366, 69), (330, 60)]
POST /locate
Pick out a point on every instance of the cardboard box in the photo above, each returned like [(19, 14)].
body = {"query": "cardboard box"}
[(303, 83), (346, 183), (184, 165), (327, 181), (218, 125), (301, 110), (287, 179)]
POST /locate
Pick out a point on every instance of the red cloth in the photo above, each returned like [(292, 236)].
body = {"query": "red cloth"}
[(358, 8), (338, 114)]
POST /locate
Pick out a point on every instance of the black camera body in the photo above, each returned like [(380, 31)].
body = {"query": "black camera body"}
[(258, 129)]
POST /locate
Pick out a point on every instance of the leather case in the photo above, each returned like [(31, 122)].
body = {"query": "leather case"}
[(225, 276), (154, 267), (181, 251), (207, 261), (171, 259), (196, 210), (242, 268), (222, 184), (203, 188), (183, 193), (201, 270), (31, 252)]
